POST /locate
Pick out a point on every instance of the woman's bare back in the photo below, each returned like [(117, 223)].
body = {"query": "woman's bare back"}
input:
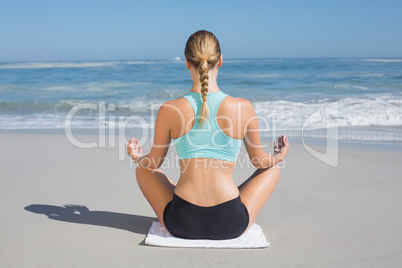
[(208, 181)]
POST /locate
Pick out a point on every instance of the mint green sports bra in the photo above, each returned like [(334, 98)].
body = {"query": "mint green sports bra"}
[(209, 141)]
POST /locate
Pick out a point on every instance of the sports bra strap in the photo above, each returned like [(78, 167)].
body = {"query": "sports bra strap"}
[(209, 140)]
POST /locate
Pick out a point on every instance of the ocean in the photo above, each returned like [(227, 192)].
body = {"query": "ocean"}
[(345, 99)]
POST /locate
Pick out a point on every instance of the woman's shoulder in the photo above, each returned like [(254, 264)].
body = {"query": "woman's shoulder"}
[(175, 102), (171, 107), (234, 102)]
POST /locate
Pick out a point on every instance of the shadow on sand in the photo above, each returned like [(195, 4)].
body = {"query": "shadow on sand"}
[(81, 214)]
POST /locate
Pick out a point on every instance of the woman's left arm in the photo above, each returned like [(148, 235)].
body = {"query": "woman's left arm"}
[(161, 144)]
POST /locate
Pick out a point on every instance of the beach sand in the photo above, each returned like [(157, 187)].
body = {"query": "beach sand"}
[(65, 206)]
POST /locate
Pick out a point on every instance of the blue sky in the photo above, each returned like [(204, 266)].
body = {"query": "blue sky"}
[(49, 30)]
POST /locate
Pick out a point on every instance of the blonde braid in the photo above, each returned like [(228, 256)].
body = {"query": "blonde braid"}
[(203, 52), (203, 71)]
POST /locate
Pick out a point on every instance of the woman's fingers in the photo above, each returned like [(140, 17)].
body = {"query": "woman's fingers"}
[(132, 147), (136, 146), (130, 142), (285, 147), (282, 145), (285, 141)]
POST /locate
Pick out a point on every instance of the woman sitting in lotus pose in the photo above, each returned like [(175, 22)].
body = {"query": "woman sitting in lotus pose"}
[(207, 127)]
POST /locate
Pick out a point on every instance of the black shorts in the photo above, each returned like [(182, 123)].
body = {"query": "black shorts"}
[(224, 221)]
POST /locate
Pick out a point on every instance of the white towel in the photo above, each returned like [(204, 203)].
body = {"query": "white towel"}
[(158, 236)]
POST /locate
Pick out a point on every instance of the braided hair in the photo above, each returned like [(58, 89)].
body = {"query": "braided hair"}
[(203, 52)]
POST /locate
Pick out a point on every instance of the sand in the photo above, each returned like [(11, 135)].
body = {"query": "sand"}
[(70, 207)]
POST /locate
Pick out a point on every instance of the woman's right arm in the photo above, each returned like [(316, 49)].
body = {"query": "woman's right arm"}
[(252, 141)]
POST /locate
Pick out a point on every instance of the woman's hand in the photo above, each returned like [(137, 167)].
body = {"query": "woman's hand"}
[(282, 146), (133, 150)]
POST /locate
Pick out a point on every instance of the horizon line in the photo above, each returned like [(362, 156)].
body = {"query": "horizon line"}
[(182, 59)]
